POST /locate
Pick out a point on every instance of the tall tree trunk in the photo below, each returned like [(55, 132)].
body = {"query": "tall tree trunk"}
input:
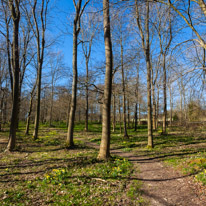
[(1, 112), (137, 100), (70, 141), (146, 47), (149, 106), (5, 106), (128, 112), (164, 96), (51, 106), (153, 107), (104, 152), (87, 96), (171, 105), (29, 115), (120, 116), (135, 117), (76, 30), (114, 112), (37, 117), (68, 112), (157, 108), (32, 94), (40, 40), (124, 95), (16, 72), (139, 113)]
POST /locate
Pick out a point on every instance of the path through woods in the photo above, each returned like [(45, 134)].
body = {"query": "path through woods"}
[(162, 185)]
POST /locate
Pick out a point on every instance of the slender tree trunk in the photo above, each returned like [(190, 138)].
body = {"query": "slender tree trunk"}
[(120, 116), (40, 40), (181, 97), (1, 113), (149, 106), (157, 109), (153, 107), (135, 117), (171, 106), (9, 56), (114, 113), (128, 112), (137, 100), (124, 95), (51, 107), (16, 72), (87, 96), (37, 117), (164, 126), (68, 112), (146, 47), (5, 106), (70, 141), (104, 152), (76, 30), (30, 109), (139, 111), (29, 115)]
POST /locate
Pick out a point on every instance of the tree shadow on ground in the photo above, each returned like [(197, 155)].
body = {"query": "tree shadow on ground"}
[(158, 158)]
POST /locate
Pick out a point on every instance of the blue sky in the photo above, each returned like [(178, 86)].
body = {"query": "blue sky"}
[(63, 18)]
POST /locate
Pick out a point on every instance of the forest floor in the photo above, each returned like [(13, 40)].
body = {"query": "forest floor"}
[(44, 172), (162, 184)]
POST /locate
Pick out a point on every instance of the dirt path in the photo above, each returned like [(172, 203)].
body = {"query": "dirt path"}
[(162, 185)]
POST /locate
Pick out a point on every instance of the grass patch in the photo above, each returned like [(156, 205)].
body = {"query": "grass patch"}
[(43, 172)]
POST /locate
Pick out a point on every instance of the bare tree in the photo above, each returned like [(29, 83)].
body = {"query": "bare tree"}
[(146, 48), (32, 94), (88, 31), (164, 30), (137, 99), (76, 29), (104, 152), (39, 29), (15, 14)]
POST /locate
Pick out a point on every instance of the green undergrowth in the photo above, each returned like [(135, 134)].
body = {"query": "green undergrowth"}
[(84, 181), (44, 172), (191, 165), (184, 151)]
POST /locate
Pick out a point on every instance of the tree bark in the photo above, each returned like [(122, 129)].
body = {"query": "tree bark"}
[(40, 40), (148, 63), (29, 116), (157, 109), (87, 96), (114, 112), (124, 95), (135, 117), (76, 30), (120, 116), (70, 141), (104, 152), (52, 102), (128, 112), (171, 105), (146, 47), (137, 100), (16, 71), (30, 109), (164, 125), (68, 112), (153, 104), (37, 117)]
